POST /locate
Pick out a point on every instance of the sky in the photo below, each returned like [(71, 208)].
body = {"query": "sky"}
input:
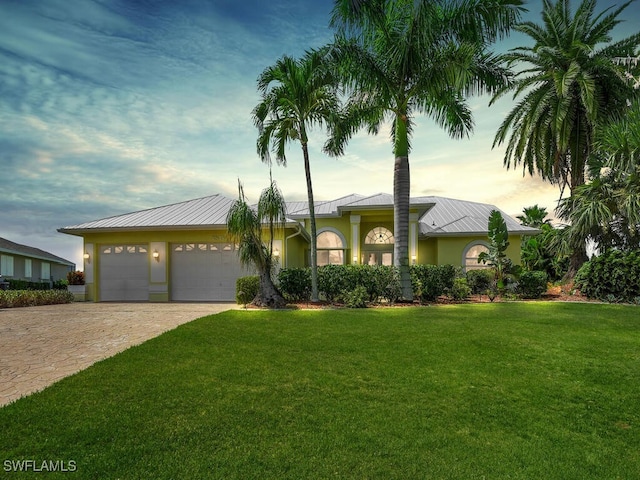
[(113, 106)]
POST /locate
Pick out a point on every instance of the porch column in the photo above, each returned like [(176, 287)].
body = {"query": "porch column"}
[(355, 239), (413, 238)]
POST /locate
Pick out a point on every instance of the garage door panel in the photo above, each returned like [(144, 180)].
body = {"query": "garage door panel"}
[(124, 273), (204, 272)]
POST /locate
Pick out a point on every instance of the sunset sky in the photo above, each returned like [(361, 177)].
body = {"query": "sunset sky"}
[(108, 107)]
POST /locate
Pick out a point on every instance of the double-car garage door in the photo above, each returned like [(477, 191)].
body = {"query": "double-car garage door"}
[(197, 272)]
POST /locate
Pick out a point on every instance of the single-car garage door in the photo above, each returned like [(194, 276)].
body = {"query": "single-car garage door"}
[(124, 273), (204, 271)]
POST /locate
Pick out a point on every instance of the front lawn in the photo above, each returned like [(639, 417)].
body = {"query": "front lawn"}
[(495, 391)]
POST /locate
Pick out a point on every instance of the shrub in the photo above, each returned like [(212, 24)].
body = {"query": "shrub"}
[(480, 280), (532, 284), (460, 289), (26, 285), (356, 298), (431, 281), (332, 282), (247, 289), (75, 278), (614, 274), (295, 283), (33, 298)]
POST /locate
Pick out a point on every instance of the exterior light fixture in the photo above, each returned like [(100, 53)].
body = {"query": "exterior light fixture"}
[(156, 256), (413, 259), (87, 257), (276, 253), (355, 259)]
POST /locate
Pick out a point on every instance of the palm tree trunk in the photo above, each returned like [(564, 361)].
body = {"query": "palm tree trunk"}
[(268, 295), (312, 215), (401, 193)]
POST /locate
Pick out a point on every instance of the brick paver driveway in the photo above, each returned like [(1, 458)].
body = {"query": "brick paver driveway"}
[(41, 345)]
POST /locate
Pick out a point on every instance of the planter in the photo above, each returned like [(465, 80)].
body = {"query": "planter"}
[(79, 292)]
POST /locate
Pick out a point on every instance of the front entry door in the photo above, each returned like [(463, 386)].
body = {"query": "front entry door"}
[(378, 258)]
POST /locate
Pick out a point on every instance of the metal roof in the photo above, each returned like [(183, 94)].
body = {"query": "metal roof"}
[(442, 217), (450, 217), (201, 212), (7, 246)]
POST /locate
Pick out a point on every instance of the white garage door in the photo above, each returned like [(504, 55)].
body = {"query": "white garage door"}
[(204, 271), (124, 273)]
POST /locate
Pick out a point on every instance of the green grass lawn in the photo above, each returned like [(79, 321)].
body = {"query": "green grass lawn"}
[(491, 391)]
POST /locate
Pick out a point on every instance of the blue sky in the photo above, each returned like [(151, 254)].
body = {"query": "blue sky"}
[(112, 106)]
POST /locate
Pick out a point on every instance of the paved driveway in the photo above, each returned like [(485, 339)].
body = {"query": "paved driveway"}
[(41, 345)]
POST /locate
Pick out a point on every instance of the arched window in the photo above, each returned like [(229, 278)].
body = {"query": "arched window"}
[(379, 236), (471, 254), (331, 246)]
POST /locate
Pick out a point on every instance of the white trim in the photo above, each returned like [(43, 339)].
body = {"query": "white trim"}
[(468, 247)]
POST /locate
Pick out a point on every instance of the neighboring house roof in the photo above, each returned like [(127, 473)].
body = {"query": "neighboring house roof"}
[(7, 246), (451, 217), (439, 216)]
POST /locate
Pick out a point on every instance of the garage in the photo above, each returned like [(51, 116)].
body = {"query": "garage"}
[(202, 272), (124, 273)]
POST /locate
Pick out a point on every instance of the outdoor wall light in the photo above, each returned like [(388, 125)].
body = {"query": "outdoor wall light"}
[(87, 257), (156, 255), (276, 252), (355, 259), (413, 259)]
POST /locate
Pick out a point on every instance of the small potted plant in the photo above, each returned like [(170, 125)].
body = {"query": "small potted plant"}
[(76, 285)]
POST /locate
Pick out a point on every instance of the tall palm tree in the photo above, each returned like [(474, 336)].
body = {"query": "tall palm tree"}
[(401, 58), (297, 95), (245, 227), (570, 83)]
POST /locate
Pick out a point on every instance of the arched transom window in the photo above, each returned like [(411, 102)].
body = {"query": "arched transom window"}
[(471, 254), (330, 248), (379, 236)]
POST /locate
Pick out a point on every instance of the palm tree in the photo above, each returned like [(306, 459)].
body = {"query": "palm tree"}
[(244, 225), (607, 209), (407, 57), (534, 217), (297, 95), (570, 83)]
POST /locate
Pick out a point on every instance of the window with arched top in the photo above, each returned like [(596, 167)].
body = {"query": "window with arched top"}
[(331, 247), (379, 236), (471, 254)]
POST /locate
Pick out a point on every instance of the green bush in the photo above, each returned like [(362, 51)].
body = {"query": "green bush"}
[(480, 280), (460, 289), (356, 298), (431, 281), (532, 284), (247, 289), (26, 285), (295, 284), (333, 281), (612, 275), (33, 298)]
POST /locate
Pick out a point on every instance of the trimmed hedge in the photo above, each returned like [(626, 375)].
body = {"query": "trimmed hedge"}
[(532, 284), (33, 298), (295, 284), (613, 276), (481, 280), (431, 281), (247, 289), (26, 285)]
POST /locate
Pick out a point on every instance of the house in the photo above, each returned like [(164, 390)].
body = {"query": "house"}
[(21, 262), (181, 252)]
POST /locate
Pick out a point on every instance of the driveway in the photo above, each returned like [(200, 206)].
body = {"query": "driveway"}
[(41, 345)]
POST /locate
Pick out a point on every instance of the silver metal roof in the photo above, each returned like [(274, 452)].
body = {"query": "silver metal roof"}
[(443, 217), (457, 217), (206, 212)]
